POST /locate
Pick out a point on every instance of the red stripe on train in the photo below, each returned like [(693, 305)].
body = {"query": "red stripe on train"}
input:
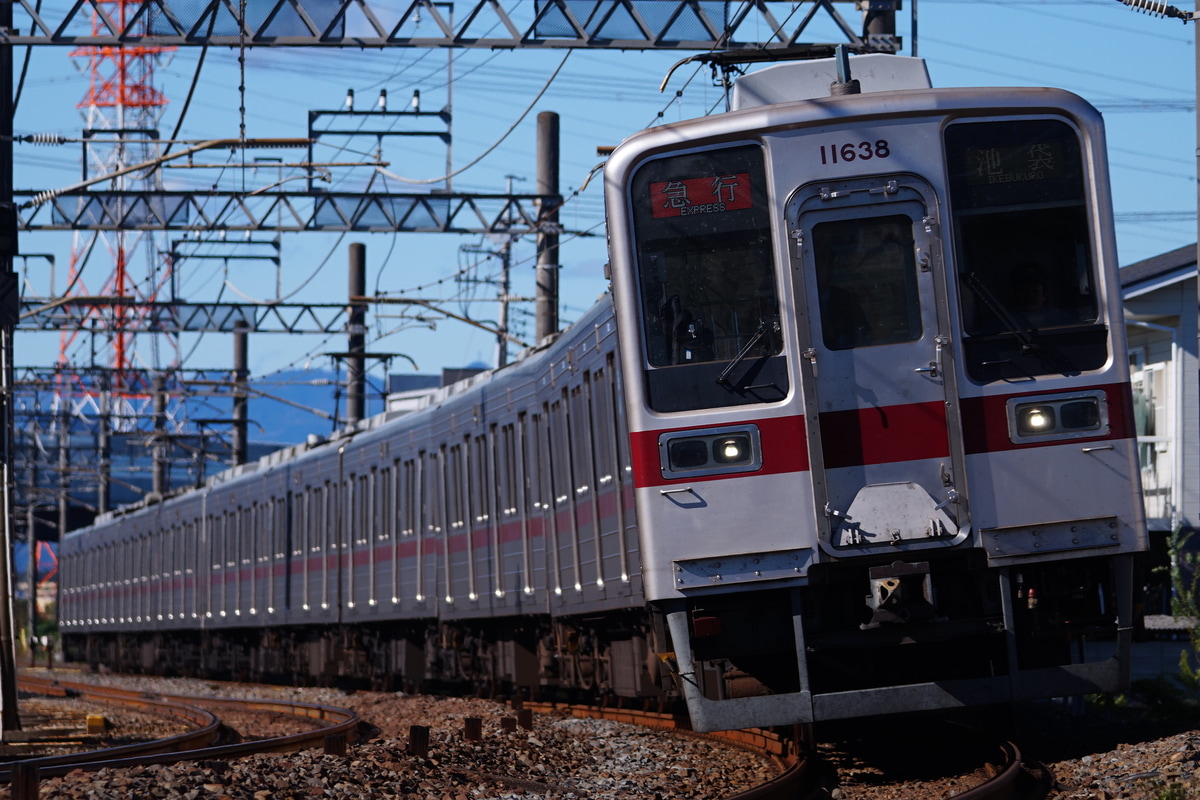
[(985, 419), (783, 450), (886, 435)]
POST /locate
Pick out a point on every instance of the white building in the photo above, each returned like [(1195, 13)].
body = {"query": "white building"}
[(1161, 312), (1161, 315)]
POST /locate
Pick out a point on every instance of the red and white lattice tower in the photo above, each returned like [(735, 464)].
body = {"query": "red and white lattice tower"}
[(122, 110)]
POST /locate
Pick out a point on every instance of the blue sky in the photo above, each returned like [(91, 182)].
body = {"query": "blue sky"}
[(1138, 70)]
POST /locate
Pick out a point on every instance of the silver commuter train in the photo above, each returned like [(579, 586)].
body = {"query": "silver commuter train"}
[(870, 405), (875, 368), (455, 544)]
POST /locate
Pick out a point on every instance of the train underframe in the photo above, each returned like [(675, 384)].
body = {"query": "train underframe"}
[(854, 642), (911, 636), (590, 659)]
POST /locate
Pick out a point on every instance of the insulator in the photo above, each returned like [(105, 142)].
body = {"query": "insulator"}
[(1157, 9), (46, 138), (44, 197)]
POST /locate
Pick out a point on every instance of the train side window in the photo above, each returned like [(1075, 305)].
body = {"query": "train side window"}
[(454, 487), (580, 419), (1024, 252), (707, 286), (217, 526), (365, 499), (408, 499), (533, 465), (260, 541), (561, 457), (624, 467), (604, 437), (328, 532), (247, 533), (281, 527), (435, 494), (480, 491), (507, 479), (305, 544), (385, 490)]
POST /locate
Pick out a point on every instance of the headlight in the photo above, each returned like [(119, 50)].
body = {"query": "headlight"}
[(731, 449), (1057, 417), (714, 451), (1035, 420)]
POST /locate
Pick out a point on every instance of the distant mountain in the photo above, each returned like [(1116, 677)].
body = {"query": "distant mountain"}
[(289, 406)]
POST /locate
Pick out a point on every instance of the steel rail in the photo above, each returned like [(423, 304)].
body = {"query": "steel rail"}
[(1001, 785), (793, 780), (206, 726), (789, 784), (167, 751)]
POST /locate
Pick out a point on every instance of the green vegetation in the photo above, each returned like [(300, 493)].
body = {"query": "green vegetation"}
[(1164, 791), (1185, 604), (1170, 697), (47, 622)]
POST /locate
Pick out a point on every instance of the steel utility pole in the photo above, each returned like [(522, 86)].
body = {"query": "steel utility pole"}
[(10, 719), (547, 242), (505, 299), (241, 374), (356, 381)]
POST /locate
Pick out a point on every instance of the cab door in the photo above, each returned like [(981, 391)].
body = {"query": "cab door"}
[(877, 373)]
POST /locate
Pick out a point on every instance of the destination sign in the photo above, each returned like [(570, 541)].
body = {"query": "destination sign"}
[(714, 194), (996, 165)]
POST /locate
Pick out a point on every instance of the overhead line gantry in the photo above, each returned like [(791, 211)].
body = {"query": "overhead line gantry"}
[(682, 25)]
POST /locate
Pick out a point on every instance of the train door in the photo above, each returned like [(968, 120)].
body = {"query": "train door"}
[(885, 446)]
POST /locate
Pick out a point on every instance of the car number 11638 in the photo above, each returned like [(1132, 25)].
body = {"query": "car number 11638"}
[(862, 151)]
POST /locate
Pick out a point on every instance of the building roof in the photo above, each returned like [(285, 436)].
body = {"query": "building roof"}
[(1167, 267)]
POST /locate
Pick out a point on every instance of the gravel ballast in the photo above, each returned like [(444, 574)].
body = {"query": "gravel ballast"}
[(1092, 753), (562, 757)]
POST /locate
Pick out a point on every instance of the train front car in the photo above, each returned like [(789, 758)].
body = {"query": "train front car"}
[(876, 379)]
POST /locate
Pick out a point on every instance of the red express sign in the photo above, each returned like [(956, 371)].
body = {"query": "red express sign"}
[(709, 195)]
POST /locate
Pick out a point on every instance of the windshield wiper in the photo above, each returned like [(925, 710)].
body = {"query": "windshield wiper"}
[(759, 333), (1024, 335)]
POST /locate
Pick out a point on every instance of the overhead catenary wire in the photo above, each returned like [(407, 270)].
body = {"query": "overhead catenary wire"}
[(187, 102), (497, 143), (1024, 59), (428, 52), (701, 65), (25, 65), (333, 249), (559, 83)]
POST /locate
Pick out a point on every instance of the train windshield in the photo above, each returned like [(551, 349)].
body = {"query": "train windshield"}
[(706, 280), (867, 282), (1023, 247)]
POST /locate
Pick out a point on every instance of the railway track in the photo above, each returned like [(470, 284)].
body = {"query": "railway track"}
[(931, 763), (994, 775), (336, 727), (793, 778), (791, 782)]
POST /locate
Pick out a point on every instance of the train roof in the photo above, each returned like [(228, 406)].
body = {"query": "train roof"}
[(805, 80), (417, 404)]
